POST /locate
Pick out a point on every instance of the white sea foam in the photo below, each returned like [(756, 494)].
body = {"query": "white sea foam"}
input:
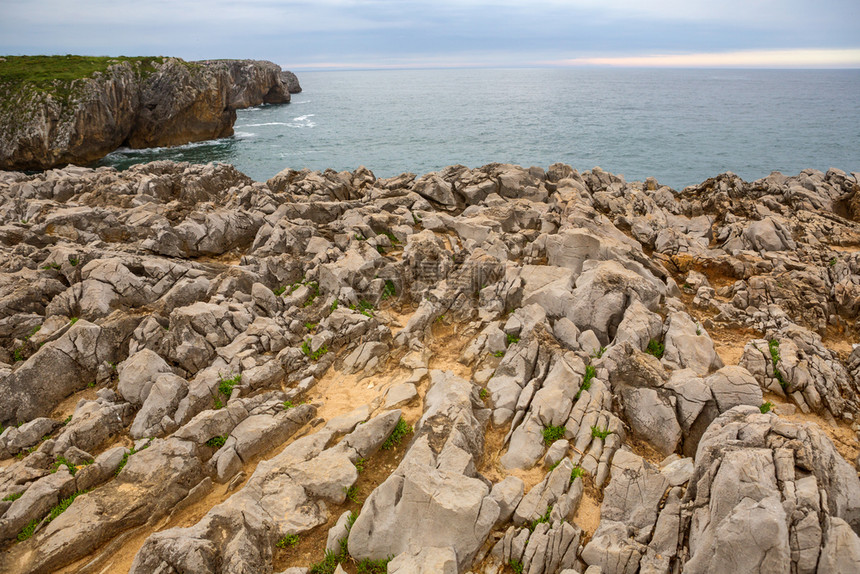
[(302, 122), (126, 151), (244, 135)]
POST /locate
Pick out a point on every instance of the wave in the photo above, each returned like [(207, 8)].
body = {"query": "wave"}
[(150, 150), (302, 102), (303, 118), (244, 135)]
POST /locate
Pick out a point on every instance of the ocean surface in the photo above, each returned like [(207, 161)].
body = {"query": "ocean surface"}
[(680, 126)]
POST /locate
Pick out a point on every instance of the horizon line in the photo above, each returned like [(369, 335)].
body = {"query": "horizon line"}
[(794, 59)]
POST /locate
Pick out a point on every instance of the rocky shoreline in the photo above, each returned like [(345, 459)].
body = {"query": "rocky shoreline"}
[(156, 103), (477, 370)]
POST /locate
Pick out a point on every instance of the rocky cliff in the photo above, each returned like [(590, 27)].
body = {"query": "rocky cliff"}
[(477, 370), (134, 102)]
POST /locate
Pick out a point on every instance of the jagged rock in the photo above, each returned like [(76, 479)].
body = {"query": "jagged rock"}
[(545, 289), (137, 374), (603, 292), (426, 560), (286, 495), (435, 476), (55, 371), (688, 346), (747, 464), (177, 103)]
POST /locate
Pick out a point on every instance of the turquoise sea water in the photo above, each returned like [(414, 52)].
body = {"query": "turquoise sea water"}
[(680, 126)]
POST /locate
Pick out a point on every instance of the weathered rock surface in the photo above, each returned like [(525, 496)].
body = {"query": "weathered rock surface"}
[(204, 370)]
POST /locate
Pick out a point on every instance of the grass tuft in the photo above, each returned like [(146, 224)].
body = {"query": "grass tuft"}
[(217, 441), (552, 434), (655, 348), (225, 386), (287, 541), (400, 430)]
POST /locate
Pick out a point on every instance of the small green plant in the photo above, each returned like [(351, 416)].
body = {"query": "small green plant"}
[(600, 433), (288, 404), (686, 286), (368, 566), (400, 430), (598, 353), (363, 307), (590, 373), (48, 266), (360, 237), (359, 465), (315, 292), (416, 219), (91, 384), (128, 454), (512, 339), (577, 472), (279, 290), (389, 290), (62, 506), (499, 354), (68, 420), (310, 325), (314, 355), (225, 386), (74, 261), (655, 348), (516, 566), (17, 356), (334, 305), (380, 249), (28, 530), (61, 461), (773, 347), (328, 564), (766, 407), (13, 496), (73, 320), (352, 493), (217, 441), (484, 393), (391, 237), (553, 465), (218, 404), (832, 261), (552, 434), (287, 541), (698, 330), (544, 518)]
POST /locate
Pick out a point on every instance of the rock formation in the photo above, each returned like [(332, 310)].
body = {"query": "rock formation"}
[(168, 102), (478, 370)]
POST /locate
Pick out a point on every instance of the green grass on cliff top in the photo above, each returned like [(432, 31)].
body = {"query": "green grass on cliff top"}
[(42, 71)]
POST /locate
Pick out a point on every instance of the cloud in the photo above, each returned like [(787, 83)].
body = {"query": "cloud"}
[(397, 32), (748, 59)]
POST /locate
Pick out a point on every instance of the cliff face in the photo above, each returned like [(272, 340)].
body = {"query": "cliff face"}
[(171, 102)]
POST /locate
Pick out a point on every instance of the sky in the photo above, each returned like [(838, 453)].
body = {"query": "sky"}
[(356, 34)]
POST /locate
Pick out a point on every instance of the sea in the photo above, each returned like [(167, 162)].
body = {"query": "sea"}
[(680, 126)]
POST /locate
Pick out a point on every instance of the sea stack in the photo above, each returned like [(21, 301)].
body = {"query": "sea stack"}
[(134, 102)]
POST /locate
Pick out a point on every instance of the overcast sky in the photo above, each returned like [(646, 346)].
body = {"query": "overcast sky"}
[(316, 34)]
